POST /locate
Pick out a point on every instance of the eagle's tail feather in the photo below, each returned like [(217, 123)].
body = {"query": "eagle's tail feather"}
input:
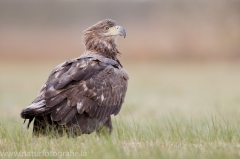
[(35, 109)]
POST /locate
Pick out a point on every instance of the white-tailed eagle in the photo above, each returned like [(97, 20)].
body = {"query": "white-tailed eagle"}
[(81, 94)]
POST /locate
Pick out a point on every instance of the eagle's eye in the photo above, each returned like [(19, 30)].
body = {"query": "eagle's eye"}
[(106, 28)]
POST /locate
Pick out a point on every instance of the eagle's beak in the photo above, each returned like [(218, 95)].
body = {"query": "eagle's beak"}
[(121, 31), (117, 30)]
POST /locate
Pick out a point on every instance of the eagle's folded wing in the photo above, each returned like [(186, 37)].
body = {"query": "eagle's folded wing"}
[(92, 85)]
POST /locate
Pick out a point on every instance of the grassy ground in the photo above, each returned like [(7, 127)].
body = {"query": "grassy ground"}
[(172, 110)]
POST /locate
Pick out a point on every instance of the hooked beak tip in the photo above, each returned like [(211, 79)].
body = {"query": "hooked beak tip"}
[(121, 31)]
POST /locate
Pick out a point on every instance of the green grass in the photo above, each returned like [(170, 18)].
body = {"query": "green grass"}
[(175, 138), (172, 110)]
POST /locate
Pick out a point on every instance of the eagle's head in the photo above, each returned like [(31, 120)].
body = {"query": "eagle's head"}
[(102, 37)]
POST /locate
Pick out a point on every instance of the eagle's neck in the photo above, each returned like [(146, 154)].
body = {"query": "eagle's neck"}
[(103, 46)]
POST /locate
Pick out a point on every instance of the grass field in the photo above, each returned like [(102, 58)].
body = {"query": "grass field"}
[(172, 110)]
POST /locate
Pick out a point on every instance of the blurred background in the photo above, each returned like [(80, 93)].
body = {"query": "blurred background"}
[(183, 57)]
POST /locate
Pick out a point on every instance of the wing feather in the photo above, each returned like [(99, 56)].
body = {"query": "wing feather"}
[(60, 111), (92, 86), (68, 117)]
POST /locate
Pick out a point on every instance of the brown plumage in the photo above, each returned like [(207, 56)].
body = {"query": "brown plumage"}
[(81, 94)]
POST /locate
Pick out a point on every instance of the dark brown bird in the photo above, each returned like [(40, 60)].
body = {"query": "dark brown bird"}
[(81, 94)]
